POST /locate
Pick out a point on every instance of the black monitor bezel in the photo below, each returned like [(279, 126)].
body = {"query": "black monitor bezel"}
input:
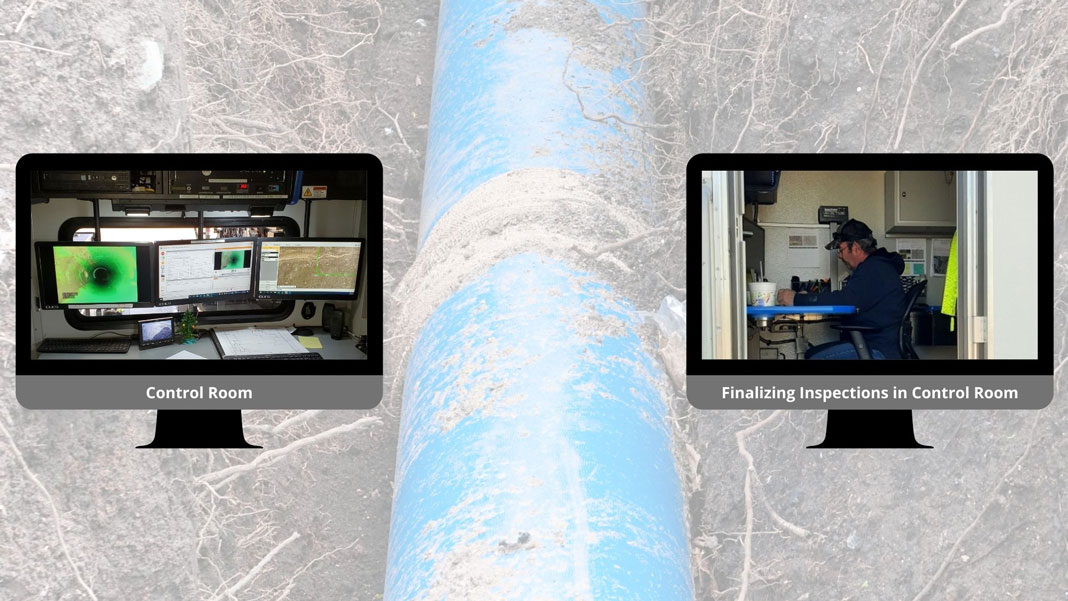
[(213, 297), (1042, 365), (49, 294), (261, 295), (24, 304)]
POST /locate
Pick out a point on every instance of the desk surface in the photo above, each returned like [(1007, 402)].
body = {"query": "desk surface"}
[(800, 310), (332, 349)]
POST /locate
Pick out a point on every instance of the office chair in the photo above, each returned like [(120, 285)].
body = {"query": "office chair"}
[(904, 336)]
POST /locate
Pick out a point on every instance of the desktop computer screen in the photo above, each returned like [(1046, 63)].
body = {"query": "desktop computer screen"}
[(311, 268), (136, 318), (870, 282), (197, 270), (97, 274)]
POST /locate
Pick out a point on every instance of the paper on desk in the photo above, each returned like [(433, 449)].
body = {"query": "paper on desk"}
[(310, 341), (257, 341), (185, 355)]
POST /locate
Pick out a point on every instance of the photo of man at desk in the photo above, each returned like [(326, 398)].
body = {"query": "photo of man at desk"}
[(864, 264), (874, 290)]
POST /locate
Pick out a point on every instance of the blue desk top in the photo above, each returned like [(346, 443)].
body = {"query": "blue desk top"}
[(794, 310)]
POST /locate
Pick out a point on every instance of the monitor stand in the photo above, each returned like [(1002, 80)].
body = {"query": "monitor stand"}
[(199, 429), (862, 429)]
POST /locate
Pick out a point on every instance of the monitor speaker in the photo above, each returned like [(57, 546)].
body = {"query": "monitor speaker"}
[(328, 309), (333, 320), (337, 324)]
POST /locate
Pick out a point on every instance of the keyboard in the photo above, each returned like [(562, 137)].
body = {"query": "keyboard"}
[(297, 356), (84, 345)]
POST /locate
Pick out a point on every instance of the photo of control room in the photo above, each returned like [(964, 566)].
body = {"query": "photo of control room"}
[(198, 265), (863, 265)]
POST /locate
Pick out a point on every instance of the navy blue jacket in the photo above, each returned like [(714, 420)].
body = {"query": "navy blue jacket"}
[(875, 290)]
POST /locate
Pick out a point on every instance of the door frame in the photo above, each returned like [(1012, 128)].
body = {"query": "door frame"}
[(723, 325), (973, 232)]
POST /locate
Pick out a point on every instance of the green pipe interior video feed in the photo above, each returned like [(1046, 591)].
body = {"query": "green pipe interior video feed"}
[(72, 275), (233, 259), (95, 275)]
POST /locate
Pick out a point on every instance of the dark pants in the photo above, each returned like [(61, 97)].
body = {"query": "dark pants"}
[(839, 350)]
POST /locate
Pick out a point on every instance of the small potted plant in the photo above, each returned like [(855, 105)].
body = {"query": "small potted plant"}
[(187, 328)]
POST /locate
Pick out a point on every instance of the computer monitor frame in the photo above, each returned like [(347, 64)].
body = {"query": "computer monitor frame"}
[(706, 378), (48, 284), (306, 295), (209, 297), (187, 421), (146, 336)]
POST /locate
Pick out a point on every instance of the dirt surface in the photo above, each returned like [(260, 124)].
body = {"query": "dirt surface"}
[(84, 515), (986, 503), (979, 516)]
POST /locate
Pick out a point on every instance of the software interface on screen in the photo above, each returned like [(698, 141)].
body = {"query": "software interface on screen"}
[(308, 267), (95, 275), (201, 270)]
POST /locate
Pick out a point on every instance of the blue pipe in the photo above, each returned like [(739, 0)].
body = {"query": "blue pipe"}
[(535, 454), (499, 103)]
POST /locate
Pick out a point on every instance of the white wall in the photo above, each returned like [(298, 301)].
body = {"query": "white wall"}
[(801, 193), (1012, 260)]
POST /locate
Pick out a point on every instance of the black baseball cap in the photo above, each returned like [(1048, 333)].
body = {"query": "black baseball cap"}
[(850, 231)]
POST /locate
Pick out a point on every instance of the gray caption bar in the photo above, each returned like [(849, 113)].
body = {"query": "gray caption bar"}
[(869, 392), (264, 392)]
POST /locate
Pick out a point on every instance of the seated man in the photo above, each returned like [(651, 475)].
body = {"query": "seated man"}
[(874, 289)]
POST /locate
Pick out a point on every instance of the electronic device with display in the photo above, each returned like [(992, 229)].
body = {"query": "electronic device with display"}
[(973, 233), (140, 291), (155, 332), (832, 214), (191, 271), (308, 268), (73, 275)]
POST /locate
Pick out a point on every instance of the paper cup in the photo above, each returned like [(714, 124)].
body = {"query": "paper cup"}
[(762, 294)]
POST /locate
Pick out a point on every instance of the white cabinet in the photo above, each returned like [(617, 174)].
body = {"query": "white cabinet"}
[(921, 202)]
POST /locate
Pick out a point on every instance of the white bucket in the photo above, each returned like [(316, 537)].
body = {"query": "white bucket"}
[(762, 294)]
